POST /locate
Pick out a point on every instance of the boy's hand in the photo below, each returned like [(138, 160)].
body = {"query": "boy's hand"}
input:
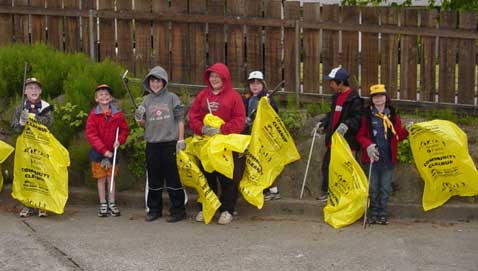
[(342, 129), (139, 113), (108, 154), (105, 163), (180, 146), (116, 145), (23, 118), (318, 129), (372, 152), (210, 131)]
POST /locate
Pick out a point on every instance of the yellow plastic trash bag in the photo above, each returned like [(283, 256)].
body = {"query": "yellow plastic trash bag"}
[(440, 151), (347, 186), (191, 176), (40, 177), (5, 151), (271, 148), (213, 121)]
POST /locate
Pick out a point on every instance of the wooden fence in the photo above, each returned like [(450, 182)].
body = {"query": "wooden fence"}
[(420, 54)]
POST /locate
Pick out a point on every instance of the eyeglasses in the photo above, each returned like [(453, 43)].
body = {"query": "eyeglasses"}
[(32, 87)]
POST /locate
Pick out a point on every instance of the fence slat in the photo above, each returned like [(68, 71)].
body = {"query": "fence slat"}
[(389, 52), (124, 36), (107, 32), (428, 63), (180, 67), (143, 40), (468, 61), (292, 12), (72, 28), (255, 53), (38, 33), (55, 26), (6, 27), (161, 37), (85, 27), (447, 56), (311, 57), (273, 45), (369, 55), (20, 24), (408, 57), (330, 42), (350, 40), (235, 43), (215, 35), (198, 38)]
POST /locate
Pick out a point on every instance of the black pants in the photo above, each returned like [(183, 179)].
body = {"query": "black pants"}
[(229, 187), (161, 164)]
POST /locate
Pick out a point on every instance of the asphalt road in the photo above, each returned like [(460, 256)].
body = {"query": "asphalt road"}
[(79, 240)]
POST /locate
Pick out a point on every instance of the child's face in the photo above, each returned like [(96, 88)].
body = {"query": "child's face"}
[(103, 97), (215, 80), (256, 86), (379, 99), (33, 92), (156, 84), (333, 85)]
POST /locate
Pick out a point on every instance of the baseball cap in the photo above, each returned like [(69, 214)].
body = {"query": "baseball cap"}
[(256, 75), (338, 73), (104, 86), (32, 80), (377, 89)]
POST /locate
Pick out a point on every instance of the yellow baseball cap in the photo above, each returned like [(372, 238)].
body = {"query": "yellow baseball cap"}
[(377, 89)]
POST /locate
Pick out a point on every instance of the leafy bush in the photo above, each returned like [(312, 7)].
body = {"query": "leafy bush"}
[(404, 152), (135, 146), (68, 119)]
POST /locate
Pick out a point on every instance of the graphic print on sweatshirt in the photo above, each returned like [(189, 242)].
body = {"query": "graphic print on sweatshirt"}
[(159, 112)]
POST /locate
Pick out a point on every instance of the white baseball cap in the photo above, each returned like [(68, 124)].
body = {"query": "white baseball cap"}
[(256, 75)]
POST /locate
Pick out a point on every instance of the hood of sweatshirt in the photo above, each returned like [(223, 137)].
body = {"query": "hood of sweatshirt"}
[(159, 73), (223, 72)]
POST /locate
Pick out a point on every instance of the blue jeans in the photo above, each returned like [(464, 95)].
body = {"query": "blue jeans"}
[(380, 189)]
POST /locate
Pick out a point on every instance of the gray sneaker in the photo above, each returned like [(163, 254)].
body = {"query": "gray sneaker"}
[(322, 196), (271, 196)]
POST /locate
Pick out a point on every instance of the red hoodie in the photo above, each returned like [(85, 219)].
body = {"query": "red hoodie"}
[(227, 104)]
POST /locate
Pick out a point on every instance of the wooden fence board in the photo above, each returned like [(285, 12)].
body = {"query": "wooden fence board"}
[(389, 53), (369, 55), (292, 12), (311, 51), (408, 57), (20, 24), (215, 35), (6, 25), (72, 28), (85, 27), (447, 56), (55, 26), (330, 43), (198, 38), (180, 66), (143, 40), (350, 40), (428, 63), (254, 45), (161, 37), (107, 32), (235, 43), (124, 37), (273, 45), (467, 60), (38, 25)]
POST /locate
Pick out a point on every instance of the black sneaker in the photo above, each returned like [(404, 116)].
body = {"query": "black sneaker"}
[(372, 219), (103, 210), (151, 216), (174, 219), (383, 220)]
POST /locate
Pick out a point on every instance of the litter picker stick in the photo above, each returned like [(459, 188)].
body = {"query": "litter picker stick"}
[(274, 90), (25, 68), (308, 163), (208, 105), (368, 191), (114, 162), (124, 79)]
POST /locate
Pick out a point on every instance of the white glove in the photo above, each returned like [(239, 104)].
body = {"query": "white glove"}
[(409, 125), (139, 113), (210, 131), (23, 118), (318, 129), (248, 122), (342, 129), (180, 146), (372, 152), (105, 163)]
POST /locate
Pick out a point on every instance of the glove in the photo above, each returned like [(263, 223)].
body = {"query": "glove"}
[(318, 129), (105, 163), (248, 122), (180, 146), (372, 152), (342, 129), (23, 118), (210, 131), (409, 125), (139, 113)]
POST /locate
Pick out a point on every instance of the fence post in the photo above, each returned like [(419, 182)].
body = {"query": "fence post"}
[(91, 32), (297, 63)]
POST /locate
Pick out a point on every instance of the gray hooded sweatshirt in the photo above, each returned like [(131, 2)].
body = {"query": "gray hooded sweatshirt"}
[(163, 110)]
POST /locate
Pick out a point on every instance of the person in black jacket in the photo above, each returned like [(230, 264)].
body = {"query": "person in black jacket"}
[(344, 117)]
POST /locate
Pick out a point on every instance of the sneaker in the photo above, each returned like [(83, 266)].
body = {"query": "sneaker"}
[(372, 219), (225, 218), (383, 220), (271, 196), (322, 196), (151, 216), (26, 212), (174, 219), (113, 209), (200, 217), (103, 210), (42, 213)]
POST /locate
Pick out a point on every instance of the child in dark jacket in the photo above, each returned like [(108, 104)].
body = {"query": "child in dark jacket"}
[(379, 134), (101, 125)]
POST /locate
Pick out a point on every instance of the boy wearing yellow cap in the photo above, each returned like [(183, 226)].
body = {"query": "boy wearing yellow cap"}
[(379, 134)]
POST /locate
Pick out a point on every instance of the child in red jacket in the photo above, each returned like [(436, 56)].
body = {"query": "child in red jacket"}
[(379, 134), (101, 126)]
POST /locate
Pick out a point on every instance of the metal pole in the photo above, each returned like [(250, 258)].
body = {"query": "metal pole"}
[(114, 163), (308, 163), (368, 192), (297, 63), (91, 31)]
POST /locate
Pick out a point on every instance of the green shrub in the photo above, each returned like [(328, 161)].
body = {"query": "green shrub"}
[(404, 152), (68, 120)]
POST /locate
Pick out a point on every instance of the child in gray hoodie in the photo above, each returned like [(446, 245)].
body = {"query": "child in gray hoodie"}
[(162, 116)]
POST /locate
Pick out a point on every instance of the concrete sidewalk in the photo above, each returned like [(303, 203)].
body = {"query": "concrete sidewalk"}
[(283, 207)]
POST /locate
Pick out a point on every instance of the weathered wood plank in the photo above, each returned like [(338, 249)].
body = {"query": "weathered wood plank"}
[(254, 46), (389, 53), (72, 28), (428, 63), (350, 40), (55, 26), (369, 54), (235, 43), (311, 49), (107, 32), (215, 40), (408, 58), (124, 38), (330, 43), (180, 66), (467, 60), (273, 45), (38, 24), (198, 38), (143, 47), (161, 37), (291, 12), (447, 57)]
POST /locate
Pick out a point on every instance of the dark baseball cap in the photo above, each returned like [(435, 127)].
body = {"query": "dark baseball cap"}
[(338, 73), (105, 87)]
